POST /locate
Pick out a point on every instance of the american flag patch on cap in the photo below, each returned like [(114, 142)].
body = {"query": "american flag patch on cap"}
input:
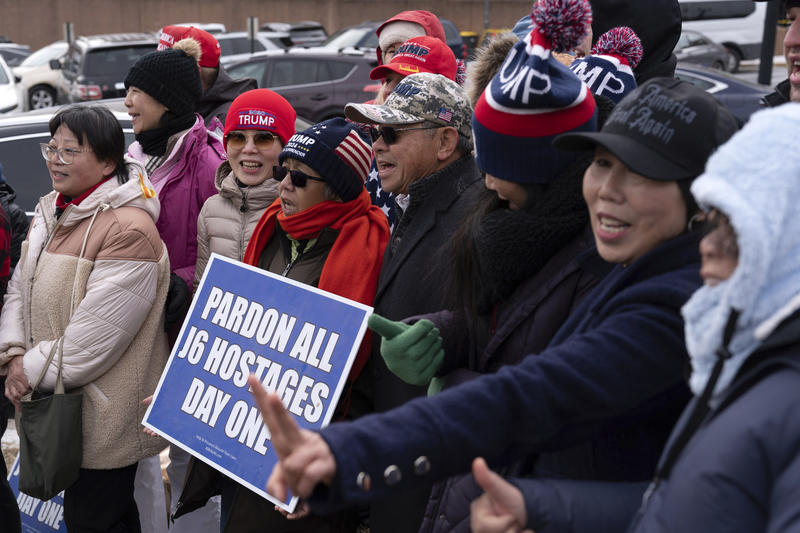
[(445, 114)]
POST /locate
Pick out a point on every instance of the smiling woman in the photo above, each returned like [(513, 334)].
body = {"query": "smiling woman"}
[(93, 240)]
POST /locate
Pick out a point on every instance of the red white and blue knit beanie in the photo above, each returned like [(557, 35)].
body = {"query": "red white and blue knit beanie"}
[(533, 98), (608, 71), (336, 150)]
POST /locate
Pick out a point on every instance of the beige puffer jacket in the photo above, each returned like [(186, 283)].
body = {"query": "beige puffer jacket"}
[(96, 279), (227, 219)]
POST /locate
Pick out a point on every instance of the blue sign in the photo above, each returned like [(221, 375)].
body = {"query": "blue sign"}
[(37, 516), (298, 340)]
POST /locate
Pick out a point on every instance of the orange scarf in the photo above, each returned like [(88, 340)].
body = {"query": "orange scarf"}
[(354, 262)]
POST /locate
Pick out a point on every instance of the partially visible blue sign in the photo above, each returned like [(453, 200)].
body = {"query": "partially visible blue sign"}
[(37, 516), (298, 340)]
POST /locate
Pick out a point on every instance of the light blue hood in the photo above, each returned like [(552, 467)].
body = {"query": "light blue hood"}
[(755, 180)]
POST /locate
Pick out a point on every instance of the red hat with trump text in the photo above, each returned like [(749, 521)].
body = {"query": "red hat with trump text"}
[(420, 54), (209, 45), (261, 109)]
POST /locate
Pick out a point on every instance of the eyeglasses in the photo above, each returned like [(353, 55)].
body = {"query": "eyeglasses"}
[(389, 133), (706, 222), (716, 226), (299, 179), (65, 155), (262, 140)]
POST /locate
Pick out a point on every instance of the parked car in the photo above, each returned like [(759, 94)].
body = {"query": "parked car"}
[(95, 66), (694, 47), (741, 97), (23, 165), (741, 35), (9, 100), (14, 53), (304, 33), (235, 46), (37, 79), (363, 37), (317, 82), (210, 27)]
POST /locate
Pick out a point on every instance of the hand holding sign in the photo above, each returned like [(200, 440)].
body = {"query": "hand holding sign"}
[(304, 458), (412, 352), (501, 508)]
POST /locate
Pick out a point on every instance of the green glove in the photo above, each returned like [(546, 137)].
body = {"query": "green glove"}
[(436, 385), (412, 352)]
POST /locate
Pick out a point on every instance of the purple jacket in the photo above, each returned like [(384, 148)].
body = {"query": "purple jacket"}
[(185, 180)]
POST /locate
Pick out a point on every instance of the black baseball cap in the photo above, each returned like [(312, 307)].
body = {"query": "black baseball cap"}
[(664, 130), (785, 4)]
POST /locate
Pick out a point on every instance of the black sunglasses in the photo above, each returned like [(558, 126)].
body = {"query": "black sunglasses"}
[(389, 133), (299, 179)]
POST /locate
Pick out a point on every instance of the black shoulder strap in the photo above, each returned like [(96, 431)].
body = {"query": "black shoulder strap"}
[(701, 407)]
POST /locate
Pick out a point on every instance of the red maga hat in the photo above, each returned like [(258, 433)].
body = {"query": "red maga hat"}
[(420, 54), (209, 45)]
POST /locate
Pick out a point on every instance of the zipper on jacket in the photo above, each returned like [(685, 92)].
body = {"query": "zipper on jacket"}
[(243, 211), (296, 259), (36, 265), (243, 207)]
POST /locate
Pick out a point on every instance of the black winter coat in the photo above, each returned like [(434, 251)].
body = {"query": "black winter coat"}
[(524, 324), (217, 99), (411, 283), (18, 219)]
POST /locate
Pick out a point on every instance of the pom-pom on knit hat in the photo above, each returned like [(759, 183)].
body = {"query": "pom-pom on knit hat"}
[(169, 76), (533, 98), (336, 150), (261, 109), (609, 69)]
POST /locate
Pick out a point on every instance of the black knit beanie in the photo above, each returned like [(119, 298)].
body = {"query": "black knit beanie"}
[(171, 77)]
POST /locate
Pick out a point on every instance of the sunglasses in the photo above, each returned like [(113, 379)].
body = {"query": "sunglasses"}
[(389, 134), (262, 140), (299, 179)]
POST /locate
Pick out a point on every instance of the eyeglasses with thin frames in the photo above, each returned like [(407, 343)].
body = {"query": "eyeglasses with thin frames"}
[(65, 155), (389, 133), (262, 140), (299, 179)]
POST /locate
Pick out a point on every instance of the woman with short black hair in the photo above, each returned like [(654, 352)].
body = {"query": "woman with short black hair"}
[(91, 284)]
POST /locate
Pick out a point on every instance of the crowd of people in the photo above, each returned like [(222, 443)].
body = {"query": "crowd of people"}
[(584, 275)]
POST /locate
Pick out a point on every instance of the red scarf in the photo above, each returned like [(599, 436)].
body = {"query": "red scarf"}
[(354, 262), (63, 201)]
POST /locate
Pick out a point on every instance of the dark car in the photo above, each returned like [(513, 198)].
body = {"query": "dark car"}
[(363, 37), (304, 33), (317, 82), (23, 165), (95, 67), (21, 157), (741, 97), (694, 47)]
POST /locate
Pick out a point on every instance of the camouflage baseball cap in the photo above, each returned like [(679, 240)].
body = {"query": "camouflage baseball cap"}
[(418, 98)]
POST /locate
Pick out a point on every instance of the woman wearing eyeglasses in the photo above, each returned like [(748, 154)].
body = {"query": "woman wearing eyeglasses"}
[(90, 288), (322, 230)]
